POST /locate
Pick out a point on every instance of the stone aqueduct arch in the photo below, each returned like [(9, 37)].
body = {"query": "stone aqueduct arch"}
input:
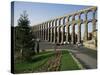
[(57, 30)]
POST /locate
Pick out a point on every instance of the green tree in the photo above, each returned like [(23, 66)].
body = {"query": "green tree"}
[(23, 34)]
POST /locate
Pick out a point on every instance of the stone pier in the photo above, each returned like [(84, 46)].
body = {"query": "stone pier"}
[(57, 30)]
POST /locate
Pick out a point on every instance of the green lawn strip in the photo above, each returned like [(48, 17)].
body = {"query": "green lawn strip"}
[(44, 67), (67, 62), (41, 55), (36, 63)]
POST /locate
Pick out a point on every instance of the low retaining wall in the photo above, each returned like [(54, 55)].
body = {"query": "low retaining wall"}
[(90, 44)]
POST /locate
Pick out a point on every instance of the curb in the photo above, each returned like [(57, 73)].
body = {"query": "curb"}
[(76, 60)]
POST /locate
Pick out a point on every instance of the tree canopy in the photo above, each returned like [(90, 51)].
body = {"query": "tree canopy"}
[(23, 35)]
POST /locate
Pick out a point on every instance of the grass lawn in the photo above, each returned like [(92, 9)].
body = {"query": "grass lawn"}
[(67, 62), (38, 60)]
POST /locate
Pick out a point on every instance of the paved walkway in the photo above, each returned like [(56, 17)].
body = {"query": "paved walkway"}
[(86, 60)]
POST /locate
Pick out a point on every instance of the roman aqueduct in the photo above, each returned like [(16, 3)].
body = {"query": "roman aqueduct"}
[(63, 29)]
